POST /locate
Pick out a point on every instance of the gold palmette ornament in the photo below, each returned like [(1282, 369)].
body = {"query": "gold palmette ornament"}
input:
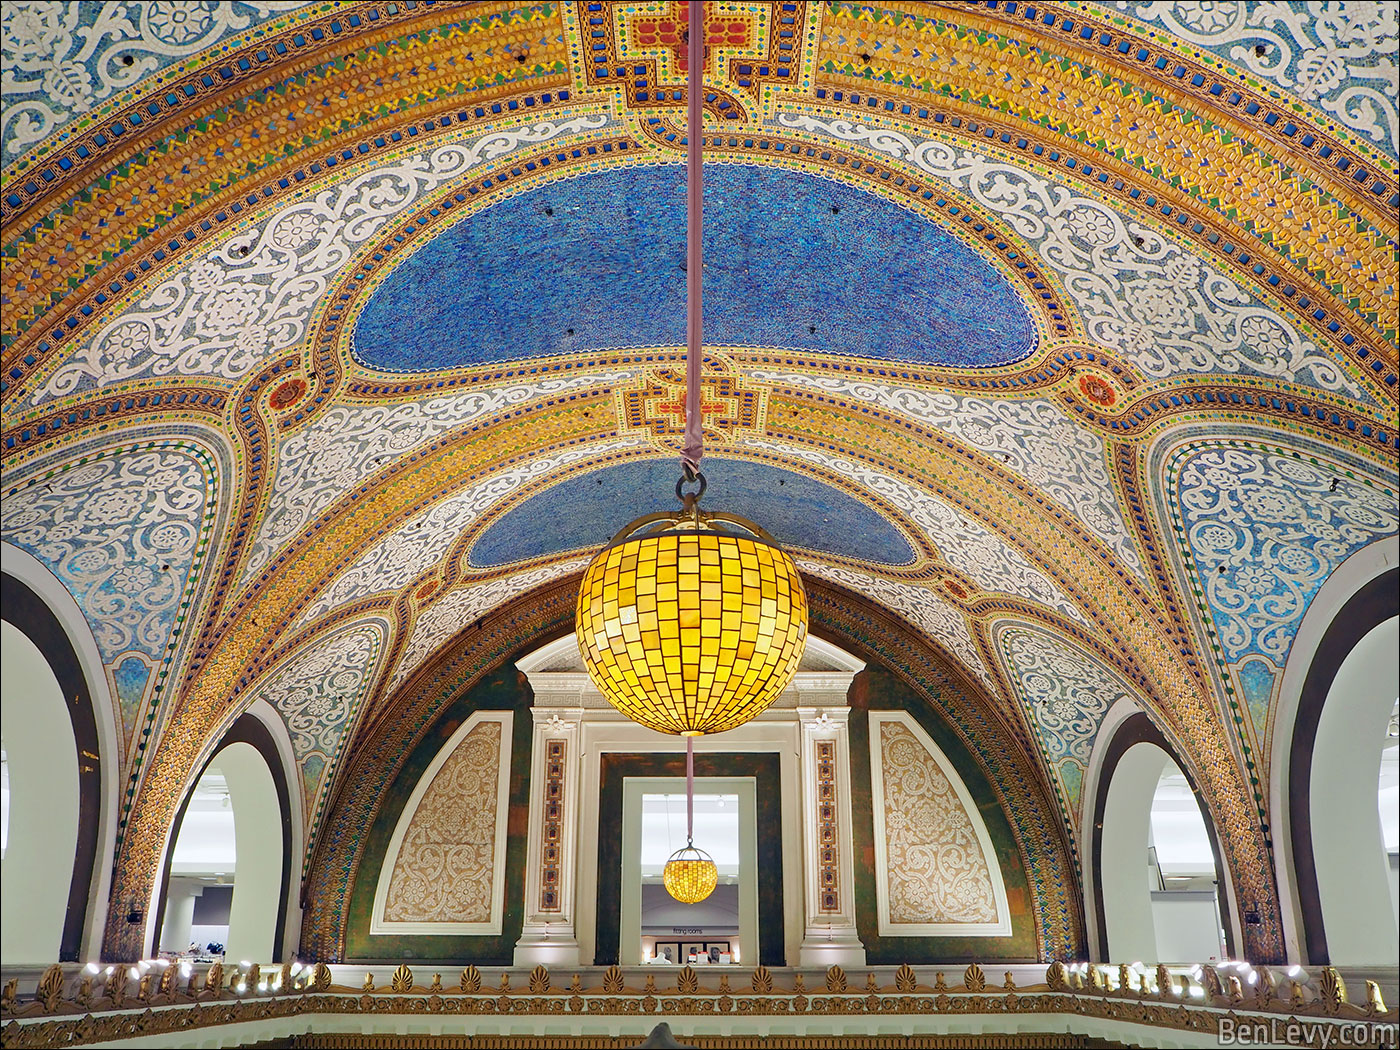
[(691, 623)]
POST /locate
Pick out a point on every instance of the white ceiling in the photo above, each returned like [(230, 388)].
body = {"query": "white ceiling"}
[(716, 830)]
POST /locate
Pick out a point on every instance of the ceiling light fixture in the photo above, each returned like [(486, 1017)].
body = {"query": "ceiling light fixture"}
[(692, 622)]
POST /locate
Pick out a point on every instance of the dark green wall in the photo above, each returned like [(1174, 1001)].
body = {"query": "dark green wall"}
[(765, 767), (506, 690), (877, 689), (873, 688)]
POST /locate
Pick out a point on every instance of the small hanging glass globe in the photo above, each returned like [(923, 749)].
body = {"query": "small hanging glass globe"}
[(690, 875)]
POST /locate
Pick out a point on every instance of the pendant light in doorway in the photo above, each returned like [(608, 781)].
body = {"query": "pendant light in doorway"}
[(692, 622)]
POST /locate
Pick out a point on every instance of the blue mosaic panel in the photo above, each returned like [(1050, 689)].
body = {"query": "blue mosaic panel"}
[(586, 510), (597, 262)]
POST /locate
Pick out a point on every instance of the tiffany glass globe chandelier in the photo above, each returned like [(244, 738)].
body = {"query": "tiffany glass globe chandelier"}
[(691, 622)]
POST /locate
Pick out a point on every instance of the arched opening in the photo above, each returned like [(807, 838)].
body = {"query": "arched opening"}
[(1358, 598), (203, 866), (228, 872), (42, 820), (1351, 862), (1158, 881), (57, 676), (1388, 805)]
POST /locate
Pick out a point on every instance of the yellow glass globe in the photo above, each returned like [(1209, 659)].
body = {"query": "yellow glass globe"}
[(690, 875), (692, 630)]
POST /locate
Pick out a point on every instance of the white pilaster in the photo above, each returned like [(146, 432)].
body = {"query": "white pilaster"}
[(830, 936), (548, 934)]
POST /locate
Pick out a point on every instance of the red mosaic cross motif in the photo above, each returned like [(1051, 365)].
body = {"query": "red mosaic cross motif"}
[(669, 31), (656, 406), (673, 409), (747, 46)]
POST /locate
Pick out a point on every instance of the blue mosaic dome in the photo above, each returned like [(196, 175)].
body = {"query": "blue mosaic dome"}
[(791, 261)]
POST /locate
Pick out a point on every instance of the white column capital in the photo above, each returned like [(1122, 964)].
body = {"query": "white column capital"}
[(824, 722)]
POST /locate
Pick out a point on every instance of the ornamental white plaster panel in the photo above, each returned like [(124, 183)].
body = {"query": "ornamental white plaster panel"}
[(419, 543), (966, 544), (444, 866), (62, 60), (1033, 439), (1140, 294), (456, 609), (935, 864), (234, 308), (923, 608), (342, 448), (318, 692), (1337, 57)]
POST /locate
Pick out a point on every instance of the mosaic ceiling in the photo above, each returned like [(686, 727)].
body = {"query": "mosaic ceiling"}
[(1065, 334)]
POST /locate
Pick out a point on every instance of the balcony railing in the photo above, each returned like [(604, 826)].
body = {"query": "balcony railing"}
[(64, 1006)]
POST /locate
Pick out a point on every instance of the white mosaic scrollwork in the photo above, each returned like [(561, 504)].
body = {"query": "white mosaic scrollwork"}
[(1034, 439), (465, 605), (63, 59), (405, 553), (1265, 529), (1066, 692), (1140, 293), (348, 444), (1338, 57), (935, 869), (319, 690), (923, 608), (122, 531), (966, 544), (235, 308)]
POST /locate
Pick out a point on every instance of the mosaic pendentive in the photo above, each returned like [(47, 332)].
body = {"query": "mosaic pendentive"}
[(127, 530), (1065, 693), (319, 692), (1260, 527)]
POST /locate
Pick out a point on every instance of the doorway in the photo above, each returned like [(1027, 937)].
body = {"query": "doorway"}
[(723, 929)]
